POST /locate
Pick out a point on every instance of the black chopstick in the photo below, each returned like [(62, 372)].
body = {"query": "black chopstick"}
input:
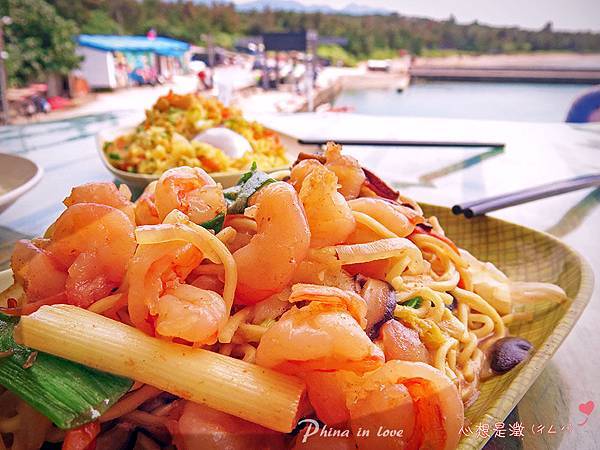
[(398, 143), (479, 207)]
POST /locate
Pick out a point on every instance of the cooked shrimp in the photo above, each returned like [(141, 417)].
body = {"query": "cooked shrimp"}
[(409, 396), (103, 193), (403, 343), (391, 409), (40, 275), (191, 313), (397, 218), (301, 170), (350, 175), (324, 335), (327, 392), (201, 427), (152, 268), (145, 207), (266, 265), (309, 339), (208, 282), (244, 227), (329, 217), (95, 243), (191, 191)]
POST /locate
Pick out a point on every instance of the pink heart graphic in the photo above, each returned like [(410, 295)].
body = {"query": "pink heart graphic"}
[(587, 408)]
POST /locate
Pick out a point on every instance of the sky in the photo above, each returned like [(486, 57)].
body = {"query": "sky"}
[(571, 15)]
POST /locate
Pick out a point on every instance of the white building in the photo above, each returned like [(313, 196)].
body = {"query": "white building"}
[(110, 62)]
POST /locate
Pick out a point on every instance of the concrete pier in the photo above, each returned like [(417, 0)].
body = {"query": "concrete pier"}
[(572, 68), (507, 74)]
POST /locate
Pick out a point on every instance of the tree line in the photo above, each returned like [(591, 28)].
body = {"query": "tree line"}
[(38, 40)]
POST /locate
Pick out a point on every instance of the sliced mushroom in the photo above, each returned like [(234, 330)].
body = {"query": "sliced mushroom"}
[(381, 302), (508, 352)]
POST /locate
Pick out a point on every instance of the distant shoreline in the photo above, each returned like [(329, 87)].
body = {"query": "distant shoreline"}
[(571, 60), (546, 67)]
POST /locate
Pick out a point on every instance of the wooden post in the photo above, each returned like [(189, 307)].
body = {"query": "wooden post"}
[(210, 49)]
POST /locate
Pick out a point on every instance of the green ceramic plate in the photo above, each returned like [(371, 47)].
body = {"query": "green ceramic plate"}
[(526, 255)]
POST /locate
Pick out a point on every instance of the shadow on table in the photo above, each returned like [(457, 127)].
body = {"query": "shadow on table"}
[(427, 179), (508, 442), (545, 404), (575, 216)]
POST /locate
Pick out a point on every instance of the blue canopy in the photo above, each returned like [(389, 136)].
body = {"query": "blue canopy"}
[(112, 43)]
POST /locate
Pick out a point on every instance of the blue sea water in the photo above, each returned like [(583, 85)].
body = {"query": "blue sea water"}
[(468, 100)]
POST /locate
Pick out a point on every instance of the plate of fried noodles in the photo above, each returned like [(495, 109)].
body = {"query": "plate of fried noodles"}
[(168, 138), (317, 309)]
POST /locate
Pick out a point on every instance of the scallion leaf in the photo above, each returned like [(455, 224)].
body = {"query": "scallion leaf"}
[(251, 182), (69, 394), (247, 175), (231, 193), (413, 302), (215, 224)]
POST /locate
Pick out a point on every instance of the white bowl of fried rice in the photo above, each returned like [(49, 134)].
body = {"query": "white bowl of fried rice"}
[(138, 155)]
